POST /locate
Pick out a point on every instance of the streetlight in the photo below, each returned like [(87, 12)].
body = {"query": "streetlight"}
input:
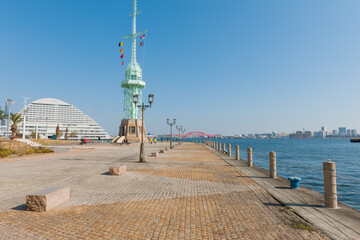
[(183, 131), (143, 107), (24, 120), (9, 101), (47, 135), (171, 124), (179, 129)]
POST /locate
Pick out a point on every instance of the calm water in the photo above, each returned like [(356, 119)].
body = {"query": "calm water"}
[(304, 157)]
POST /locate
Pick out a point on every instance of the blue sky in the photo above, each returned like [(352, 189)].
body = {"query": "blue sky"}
[(227, 67)]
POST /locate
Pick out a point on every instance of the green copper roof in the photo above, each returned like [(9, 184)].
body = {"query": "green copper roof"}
[(133, 83)]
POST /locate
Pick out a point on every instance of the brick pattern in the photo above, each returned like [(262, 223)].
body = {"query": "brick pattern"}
[(165, 198)]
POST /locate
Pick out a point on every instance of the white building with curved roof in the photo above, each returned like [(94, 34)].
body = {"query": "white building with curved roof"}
[(43, 116)]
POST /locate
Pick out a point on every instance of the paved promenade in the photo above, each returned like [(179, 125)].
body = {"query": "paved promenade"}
[(186, 193)]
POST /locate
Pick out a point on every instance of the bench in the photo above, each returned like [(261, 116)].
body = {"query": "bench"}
[(117, 169), (154, 154), (48, 199)]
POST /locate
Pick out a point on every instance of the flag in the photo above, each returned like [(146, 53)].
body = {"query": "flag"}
[(141, 44), (121, 50), (122, 55), (123, 63), (142, 37), (120, 44)]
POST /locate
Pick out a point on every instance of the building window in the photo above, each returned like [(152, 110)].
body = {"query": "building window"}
[(132, 130)]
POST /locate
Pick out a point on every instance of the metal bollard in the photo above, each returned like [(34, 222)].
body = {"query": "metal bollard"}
[(250, 159), (272, 163), (229, 150), (237, 152), (223, 147), (330, 191)]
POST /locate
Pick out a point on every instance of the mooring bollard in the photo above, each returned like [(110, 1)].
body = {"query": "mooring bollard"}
[(223, 148), (237, 152), (250, 160), (229, 149), (330, 191), (272, 163)]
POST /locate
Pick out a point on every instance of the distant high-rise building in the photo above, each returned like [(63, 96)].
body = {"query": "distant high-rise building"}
[(353, 132), (348, 132), (323, 128), (307, 134), (299, 134), (342, 131), (292, 135), (334, 132)]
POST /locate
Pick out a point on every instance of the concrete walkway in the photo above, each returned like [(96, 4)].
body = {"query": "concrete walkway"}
[(341, 223), (186, 193)]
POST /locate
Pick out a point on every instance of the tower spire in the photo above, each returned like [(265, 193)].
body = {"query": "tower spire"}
[(133, 47), (134, 34), (133, 83)]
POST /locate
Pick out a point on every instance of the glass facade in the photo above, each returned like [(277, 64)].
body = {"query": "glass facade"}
[(43, 116)]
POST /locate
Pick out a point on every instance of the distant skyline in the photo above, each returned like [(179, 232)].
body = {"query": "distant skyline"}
[(224, 67)]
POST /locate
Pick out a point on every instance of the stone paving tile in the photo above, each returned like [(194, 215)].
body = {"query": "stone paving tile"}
[(166, 198), (219, 216), (215, 173)]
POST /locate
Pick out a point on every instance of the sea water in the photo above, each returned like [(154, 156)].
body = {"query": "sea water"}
[(304, 158)]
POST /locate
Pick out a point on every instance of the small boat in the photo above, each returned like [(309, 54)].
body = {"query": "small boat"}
[(355, 140)]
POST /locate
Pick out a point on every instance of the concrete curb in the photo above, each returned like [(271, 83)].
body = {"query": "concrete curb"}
[(341, 223)]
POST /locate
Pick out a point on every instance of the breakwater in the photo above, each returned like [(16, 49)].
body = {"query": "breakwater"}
[(304, 158)]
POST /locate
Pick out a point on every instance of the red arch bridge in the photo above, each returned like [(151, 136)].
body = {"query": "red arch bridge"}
[(195, 134)]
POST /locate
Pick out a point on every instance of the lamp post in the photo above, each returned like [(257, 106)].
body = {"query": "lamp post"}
[(24, 121), (183, 131), (143, 107), (47, 135), (9, 101), (171, 124), (37, 128), (179, 129)]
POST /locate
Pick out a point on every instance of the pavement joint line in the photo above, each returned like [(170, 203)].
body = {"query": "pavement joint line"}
[(34, 189), (180, 200), (320, 219)]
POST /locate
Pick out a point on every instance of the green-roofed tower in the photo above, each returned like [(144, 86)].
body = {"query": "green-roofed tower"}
[(133, 84)]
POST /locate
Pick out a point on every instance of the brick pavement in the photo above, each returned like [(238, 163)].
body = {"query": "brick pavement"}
[(186, 193)]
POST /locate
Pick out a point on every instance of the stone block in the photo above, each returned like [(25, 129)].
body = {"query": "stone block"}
[(154, 154), (47, 199), (117, 169)]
